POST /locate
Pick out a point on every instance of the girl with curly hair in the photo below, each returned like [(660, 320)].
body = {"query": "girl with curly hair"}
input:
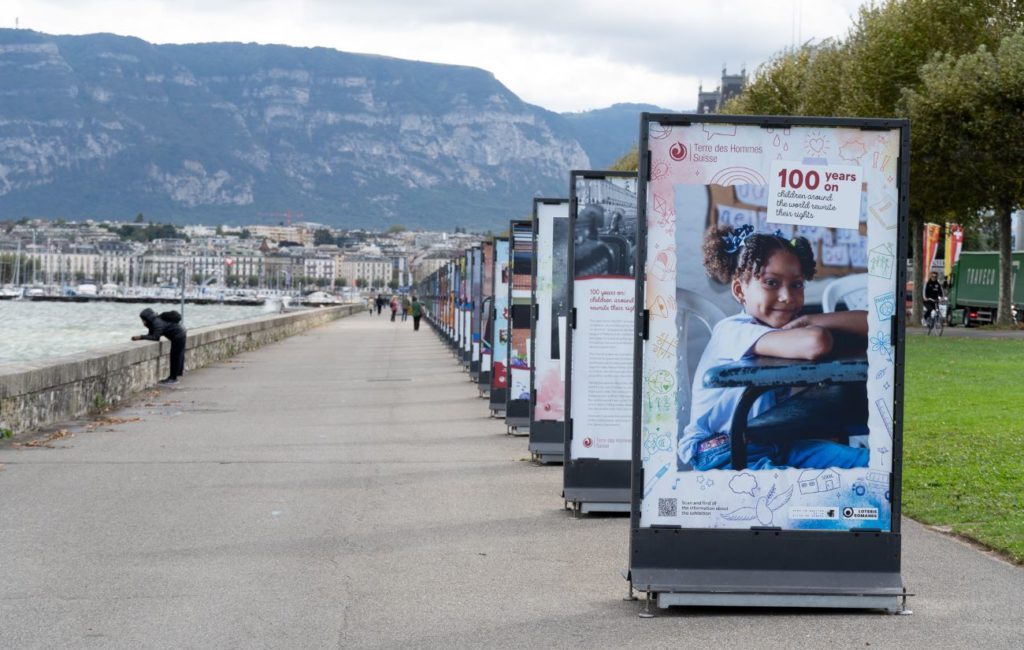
[(766, 274)]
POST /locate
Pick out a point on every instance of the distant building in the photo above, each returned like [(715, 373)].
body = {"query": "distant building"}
[(712, 101), (297, 234), (377, 271)]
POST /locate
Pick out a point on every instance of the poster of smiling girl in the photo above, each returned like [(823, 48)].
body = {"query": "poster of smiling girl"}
[(767, 385)]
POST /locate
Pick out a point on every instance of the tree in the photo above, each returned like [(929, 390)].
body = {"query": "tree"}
[(873, 70), (245, 234), (972, 109), (219, 230), (888, 46), (629, 162), (395, 229), (798, 81), (139, 218), (322, 237), (341, 282), (253, 281), (361, 283), (393, 284)]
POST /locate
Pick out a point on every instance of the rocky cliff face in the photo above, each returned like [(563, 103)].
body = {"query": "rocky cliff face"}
[(106, 126)]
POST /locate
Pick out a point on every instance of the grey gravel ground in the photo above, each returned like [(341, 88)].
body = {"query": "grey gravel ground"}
[(346, 489)]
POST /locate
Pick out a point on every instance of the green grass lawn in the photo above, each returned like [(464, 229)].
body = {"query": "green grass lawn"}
[(963, 460)]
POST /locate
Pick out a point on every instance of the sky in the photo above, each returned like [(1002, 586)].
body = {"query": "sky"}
[(563, 55)]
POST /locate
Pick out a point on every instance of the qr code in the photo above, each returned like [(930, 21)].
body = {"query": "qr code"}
[(668, 508)]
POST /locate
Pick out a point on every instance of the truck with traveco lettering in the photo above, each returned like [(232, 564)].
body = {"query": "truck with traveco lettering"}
[(974, 288)]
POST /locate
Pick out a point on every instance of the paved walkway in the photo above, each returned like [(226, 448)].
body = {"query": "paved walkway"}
[(345, 489)]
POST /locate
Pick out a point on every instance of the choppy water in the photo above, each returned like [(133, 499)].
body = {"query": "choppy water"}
[(36, 330)]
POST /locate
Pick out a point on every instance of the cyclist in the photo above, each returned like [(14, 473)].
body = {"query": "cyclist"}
[(932, 293)]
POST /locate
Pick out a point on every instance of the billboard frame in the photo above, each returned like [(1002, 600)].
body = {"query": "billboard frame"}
[(857, 568), (517, 411), (486, 308), (588, 484), (496, 396), (547, 437)]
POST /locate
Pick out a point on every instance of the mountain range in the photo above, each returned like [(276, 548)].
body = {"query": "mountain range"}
[(104, 126)]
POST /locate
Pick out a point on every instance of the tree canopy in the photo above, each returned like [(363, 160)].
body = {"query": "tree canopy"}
[(926, 59)]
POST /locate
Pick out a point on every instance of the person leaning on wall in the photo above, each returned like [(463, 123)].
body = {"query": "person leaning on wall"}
[(168, 325)]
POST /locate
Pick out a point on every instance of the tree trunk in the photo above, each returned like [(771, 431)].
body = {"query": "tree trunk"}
[(1004, 317), (917, 273)]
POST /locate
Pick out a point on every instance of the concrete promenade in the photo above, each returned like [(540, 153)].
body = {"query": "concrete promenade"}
[(344, 488)]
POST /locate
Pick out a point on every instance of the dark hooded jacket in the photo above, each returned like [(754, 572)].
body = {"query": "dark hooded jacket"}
[(158, 326)]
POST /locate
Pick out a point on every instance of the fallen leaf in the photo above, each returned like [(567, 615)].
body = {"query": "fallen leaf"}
[(45, 442), (115, 420)]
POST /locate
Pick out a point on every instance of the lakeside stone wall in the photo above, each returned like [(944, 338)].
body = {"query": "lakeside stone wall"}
[(48, 391)]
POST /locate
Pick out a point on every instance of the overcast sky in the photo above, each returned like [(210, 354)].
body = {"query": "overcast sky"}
[(564, 55)]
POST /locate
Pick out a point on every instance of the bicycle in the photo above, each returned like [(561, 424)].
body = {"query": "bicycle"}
[(937, 316)]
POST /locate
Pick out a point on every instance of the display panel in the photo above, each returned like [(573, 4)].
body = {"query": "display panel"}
[(486, 316), (603, 287), (475, 298), (519, 317), (548, 324), (768, 369), (465, 306), (551, 310), (500, 328)]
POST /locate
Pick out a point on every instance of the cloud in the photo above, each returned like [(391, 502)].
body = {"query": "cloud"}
[(564, 55)]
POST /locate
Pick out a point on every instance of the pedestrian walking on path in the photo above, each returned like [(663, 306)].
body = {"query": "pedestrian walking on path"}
[(405, 308), (394, 307), (417, 312), (380, 303), (167, 324)]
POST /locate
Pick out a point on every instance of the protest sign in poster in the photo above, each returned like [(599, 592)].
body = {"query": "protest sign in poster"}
[(765, 393), (599, 394), (500, 327), (518, 413), (550, 301)]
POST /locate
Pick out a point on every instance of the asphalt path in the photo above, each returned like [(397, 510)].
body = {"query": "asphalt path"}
[(345, 488)]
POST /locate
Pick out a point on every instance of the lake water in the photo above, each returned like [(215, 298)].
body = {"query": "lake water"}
[(36, 330)]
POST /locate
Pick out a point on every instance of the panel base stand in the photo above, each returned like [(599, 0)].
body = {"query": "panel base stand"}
[(517, 426), (548, 459), (587, 500), (587, 507), (761, 588), (547, 453), (890, 604)]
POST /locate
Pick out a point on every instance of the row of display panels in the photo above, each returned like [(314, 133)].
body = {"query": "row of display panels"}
[(758, 387)]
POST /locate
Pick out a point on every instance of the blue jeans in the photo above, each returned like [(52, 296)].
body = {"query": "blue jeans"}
[(802, 454)]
